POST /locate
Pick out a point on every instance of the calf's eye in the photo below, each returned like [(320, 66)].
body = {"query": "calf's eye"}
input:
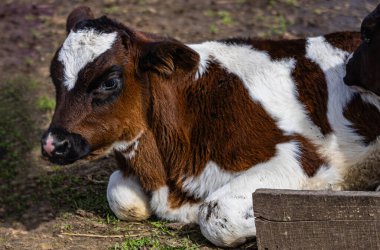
[(110, 84)]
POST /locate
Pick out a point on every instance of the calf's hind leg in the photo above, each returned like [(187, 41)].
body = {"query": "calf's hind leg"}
[(126, 197), (226, 217)]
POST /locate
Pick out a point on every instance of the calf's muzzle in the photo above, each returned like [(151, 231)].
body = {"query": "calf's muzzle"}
[(62, 147)]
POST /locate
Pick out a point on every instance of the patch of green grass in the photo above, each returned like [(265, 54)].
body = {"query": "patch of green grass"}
[(55, 168), (66, 215), (213, 29), (111, 219), (279, 26), (36, 34), (136, 244), (293, 3), (45, 103), (30, 17), (161, 226), (272, 3), (151, 243), (112, 9), (67, 227), (28, 61), (282, 25), (318, 11), (157, 235), (209, 13), (225, 17), (117, 229)]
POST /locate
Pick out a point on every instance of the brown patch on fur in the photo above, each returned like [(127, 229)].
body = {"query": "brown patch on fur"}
[(146, 163), (310, 160), (365, 118), (122, 163), (346, 41), (213, 119), (308, 76), (177, 198), (233, 130), (312, 92)]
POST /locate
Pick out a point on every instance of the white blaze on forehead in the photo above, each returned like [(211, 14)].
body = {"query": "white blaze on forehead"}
[(79, 49)]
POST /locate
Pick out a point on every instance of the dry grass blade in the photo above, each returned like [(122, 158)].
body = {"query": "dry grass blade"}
[(93, 235)]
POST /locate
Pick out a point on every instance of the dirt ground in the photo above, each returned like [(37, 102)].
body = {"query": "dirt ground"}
[(43, 206)]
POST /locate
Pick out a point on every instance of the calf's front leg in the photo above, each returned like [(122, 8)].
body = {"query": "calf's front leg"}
[(141, 172), (142, 177), (226, 217)]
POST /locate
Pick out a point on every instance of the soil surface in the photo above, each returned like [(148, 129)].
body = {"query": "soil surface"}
[(43, 206)]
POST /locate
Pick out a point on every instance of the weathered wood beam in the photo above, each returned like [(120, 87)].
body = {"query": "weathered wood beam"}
[(288, 219)]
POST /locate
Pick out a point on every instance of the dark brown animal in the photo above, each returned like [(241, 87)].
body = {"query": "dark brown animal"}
[(197, 128), (363, 67)]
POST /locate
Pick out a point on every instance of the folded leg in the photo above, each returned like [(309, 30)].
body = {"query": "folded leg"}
[(226, 217), (126, 198)]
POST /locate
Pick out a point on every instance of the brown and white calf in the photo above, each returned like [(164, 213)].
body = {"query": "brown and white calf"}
[(197, 128)]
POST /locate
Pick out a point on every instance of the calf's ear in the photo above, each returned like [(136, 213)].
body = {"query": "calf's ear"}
[(370, 24), (78, 14), (168, 57)]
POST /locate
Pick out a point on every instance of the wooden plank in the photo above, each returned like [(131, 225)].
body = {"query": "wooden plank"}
[(288, 219), (291, 205), (318, 235)]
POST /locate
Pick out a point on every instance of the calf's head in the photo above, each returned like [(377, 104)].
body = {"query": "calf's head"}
[(103, 78), (363, 68)]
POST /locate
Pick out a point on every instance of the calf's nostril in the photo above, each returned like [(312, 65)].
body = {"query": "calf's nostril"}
[(61, 148)]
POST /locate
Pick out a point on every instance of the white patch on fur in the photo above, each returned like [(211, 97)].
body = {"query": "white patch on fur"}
[(212, 178), (281, 171), (226, 218), (203, 59), (325, 178), (187, 213), (269, 82), (126, 198), (368, 96), (79, 49), (344, 147), (124, 146)]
